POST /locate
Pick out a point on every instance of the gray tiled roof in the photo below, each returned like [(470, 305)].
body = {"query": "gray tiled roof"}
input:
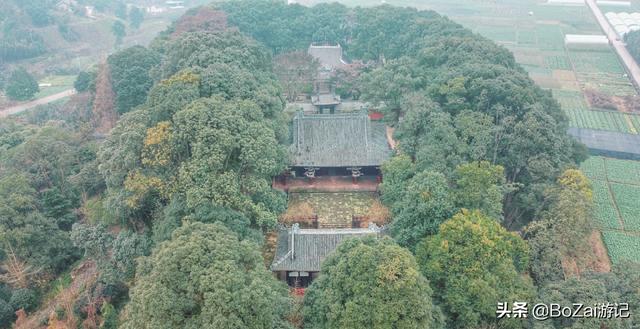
[(310, 247), (338, 140), (328, 56)]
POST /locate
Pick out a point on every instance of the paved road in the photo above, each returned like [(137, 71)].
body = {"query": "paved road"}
[(40, 101), (616, 42)]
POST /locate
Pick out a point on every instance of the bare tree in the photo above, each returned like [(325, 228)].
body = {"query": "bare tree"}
[(17, 273), (296, 71)]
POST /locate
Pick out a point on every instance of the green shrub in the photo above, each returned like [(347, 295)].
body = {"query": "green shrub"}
[(84, 81), (24, 298), (109, 316), (5, 292), (21, 85), (6, 314), (97, 214)]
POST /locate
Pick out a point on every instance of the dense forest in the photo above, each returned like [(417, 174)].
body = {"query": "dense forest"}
[(153, 184)]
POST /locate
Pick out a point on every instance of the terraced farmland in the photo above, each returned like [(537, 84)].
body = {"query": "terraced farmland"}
[(616, 188)]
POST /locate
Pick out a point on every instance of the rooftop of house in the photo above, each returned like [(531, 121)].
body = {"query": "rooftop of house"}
[(306, 249), (338, 140), (328, 56)]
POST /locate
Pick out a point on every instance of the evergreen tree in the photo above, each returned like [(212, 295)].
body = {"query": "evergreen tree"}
[(21, 86), (205, 277), (370, 283), (119, 31)]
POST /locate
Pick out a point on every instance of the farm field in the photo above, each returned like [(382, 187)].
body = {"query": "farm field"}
[(616, 188), (622, 246), (58, 83)]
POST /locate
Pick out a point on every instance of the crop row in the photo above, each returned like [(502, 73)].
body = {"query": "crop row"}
[(596, 61), (595, 168), (611, 121), (628, 200), (613, 170), (607, 83), (622, 246), (557, 62), (605, 213), (569, 99), (623, 171)]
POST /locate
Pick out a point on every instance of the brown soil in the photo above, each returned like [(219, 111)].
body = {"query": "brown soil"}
[(601, 262), (83, 276), (620, 104), (628, 104), (392, 142), (597, 259), (564, 75), (269, 248), (570, 267), (600, 100)]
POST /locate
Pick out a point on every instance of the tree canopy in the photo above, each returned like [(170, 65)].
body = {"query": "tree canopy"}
[(473, 263), (210, 132), (206, 277), (21, 86), (632, 40), (370, 283), (130, 76)]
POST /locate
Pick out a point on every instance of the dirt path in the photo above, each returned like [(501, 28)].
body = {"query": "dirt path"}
[(40, 101), (630, 64)]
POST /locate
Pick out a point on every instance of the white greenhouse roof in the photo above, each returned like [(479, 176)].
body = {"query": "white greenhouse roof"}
[(614, 3), (624, 22), (585, 39), (566, 2)]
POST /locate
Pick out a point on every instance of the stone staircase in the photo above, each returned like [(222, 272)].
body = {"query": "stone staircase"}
[(334, 225)]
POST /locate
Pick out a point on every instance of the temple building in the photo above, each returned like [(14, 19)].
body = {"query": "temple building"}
[(333, 177), (300, 252), (329, 56), (324, 97), (344, 144)]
